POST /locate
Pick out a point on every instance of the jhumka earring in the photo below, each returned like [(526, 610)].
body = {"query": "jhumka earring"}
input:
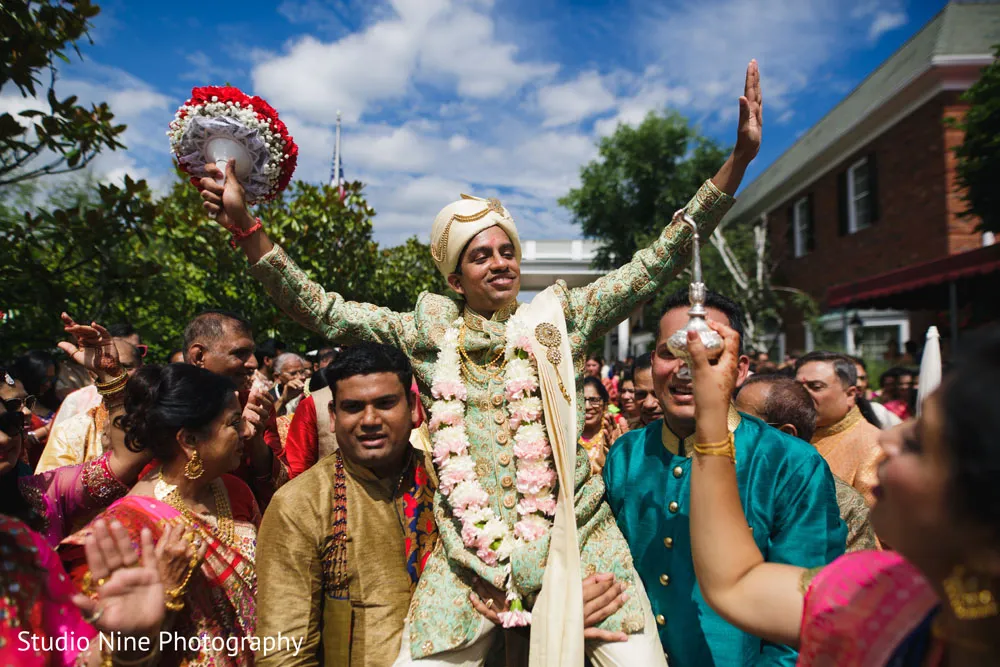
[(969, 596), (194, 469)]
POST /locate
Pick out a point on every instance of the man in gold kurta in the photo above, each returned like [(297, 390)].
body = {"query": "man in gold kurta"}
[(342, 546), (475, 245), (843, 436)]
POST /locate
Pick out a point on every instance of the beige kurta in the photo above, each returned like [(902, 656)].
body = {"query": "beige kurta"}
[(78, 439), (294, 587), (851, 449)]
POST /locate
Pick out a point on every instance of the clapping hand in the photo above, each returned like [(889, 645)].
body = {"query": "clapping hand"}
[(748, 132), (94, 349), (131, 599), (256, 413)]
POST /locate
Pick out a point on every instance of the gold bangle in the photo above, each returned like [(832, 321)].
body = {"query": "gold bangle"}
[(123, 378), (725, 448)]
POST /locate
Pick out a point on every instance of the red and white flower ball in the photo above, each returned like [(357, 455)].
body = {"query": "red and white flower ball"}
[(225, 115)]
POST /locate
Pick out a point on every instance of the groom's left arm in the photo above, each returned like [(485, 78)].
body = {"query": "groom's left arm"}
[(599, 306), (602, 304)]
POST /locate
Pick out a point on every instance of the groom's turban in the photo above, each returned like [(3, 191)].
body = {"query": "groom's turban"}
[(460, 221)]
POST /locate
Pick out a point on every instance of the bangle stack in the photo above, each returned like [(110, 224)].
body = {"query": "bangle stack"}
[(113, 391), (725, 448)]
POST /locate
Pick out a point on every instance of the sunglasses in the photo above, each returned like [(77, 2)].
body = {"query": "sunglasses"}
[(17, 404)]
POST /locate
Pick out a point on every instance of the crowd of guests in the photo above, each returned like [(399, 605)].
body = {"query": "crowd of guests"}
[(198, 496)]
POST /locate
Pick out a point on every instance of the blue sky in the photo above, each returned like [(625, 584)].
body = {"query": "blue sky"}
[(489, 97)]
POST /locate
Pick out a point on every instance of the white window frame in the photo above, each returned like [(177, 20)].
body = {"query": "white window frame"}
[(800, 220), (852, 197)]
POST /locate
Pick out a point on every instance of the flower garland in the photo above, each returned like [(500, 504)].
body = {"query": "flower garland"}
[(482, 530), (253, 113)]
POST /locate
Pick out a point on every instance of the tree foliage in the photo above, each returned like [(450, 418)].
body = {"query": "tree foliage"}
[(155, 264), (642, 175), (66, 136), (979, 154)]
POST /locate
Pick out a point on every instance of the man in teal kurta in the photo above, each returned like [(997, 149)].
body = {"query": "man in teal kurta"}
[(785, 485)]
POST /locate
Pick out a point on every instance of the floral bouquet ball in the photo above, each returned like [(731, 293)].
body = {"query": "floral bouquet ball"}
[(222, 123)]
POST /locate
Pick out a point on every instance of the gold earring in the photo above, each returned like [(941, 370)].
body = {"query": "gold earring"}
[(968, 596), (193, 469)]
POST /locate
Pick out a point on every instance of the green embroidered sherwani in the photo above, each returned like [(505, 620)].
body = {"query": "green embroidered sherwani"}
[(445, 619)]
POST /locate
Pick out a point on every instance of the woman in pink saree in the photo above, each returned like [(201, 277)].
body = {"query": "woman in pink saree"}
[(931, 603), (191, 420)]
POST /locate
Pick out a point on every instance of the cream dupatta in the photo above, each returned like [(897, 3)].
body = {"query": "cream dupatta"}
[(557, 617)]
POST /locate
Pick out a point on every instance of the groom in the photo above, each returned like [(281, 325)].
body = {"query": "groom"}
[(523, 509)]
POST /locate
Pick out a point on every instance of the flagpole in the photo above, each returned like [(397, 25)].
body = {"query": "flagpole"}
[(336, 159)]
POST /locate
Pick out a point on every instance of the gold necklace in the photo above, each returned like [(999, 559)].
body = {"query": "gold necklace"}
[(226, 532), (476, 371)]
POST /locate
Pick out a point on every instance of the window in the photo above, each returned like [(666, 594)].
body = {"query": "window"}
[(801, 225), (859, 197)]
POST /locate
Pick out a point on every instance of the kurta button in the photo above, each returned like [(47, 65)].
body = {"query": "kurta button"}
[(507, 481), (497, 400), (660, 619), (668, 542), (673, 507), (504, 459), (665, 579), (502, 438), (678, 471), (499, 417), (509, 502)]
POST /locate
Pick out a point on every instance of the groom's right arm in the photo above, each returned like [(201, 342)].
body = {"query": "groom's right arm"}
[(339, 320)]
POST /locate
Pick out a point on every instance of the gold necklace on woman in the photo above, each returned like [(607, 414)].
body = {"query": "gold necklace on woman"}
[(226, 531)]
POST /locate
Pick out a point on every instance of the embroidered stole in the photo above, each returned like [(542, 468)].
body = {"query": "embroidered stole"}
[(557, 617)]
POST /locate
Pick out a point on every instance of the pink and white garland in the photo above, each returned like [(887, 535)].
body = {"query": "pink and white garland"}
[(483, 530)]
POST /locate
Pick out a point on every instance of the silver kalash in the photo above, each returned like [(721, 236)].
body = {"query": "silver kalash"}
[(678, 343)]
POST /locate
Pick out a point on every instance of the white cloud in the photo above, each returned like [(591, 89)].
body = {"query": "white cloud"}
[(573, 101), (885, 22), (437, 41)]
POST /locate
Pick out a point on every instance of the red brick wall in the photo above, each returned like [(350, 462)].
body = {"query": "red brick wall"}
[(962, 229), (918, 208)]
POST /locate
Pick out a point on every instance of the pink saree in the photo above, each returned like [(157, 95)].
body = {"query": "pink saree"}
[(219, 602), (39, 624), (861, 608)]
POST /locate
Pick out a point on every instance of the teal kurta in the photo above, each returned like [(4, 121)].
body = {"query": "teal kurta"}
[(442, 618), (790, 502)]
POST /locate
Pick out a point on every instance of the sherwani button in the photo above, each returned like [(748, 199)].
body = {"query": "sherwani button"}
[(504, 459), (678, 471), (499, 417), (502, 438), (673, 507), (507, 481), (509, 502), (668, 542), (665, 579), (661, 619)]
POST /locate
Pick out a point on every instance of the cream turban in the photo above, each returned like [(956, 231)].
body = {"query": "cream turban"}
[(459, 221)]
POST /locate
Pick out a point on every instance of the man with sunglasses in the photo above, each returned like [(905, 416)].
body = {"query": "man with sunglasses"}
[(80, 430)]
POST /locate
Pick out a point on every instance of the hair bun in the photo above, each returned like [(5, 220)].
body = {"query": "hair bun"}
[(140, 396)]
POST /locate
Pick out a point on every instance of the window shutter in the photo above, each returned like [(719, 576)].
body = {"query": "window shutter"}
[(790, 231), (811, 226), (873, 209), (842, 202)]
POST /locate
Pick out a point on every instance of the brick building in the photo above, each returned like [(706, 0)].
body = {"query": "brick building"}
[(869, 193)]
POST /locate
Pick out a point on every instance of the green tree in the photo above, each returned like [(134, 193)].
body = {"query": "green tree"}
[(66, 136), (979, 154), (642, 175), (155, 264)]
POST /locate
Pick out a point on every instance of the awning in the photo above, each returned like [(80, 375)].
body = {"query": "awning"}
[(920, 285)]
